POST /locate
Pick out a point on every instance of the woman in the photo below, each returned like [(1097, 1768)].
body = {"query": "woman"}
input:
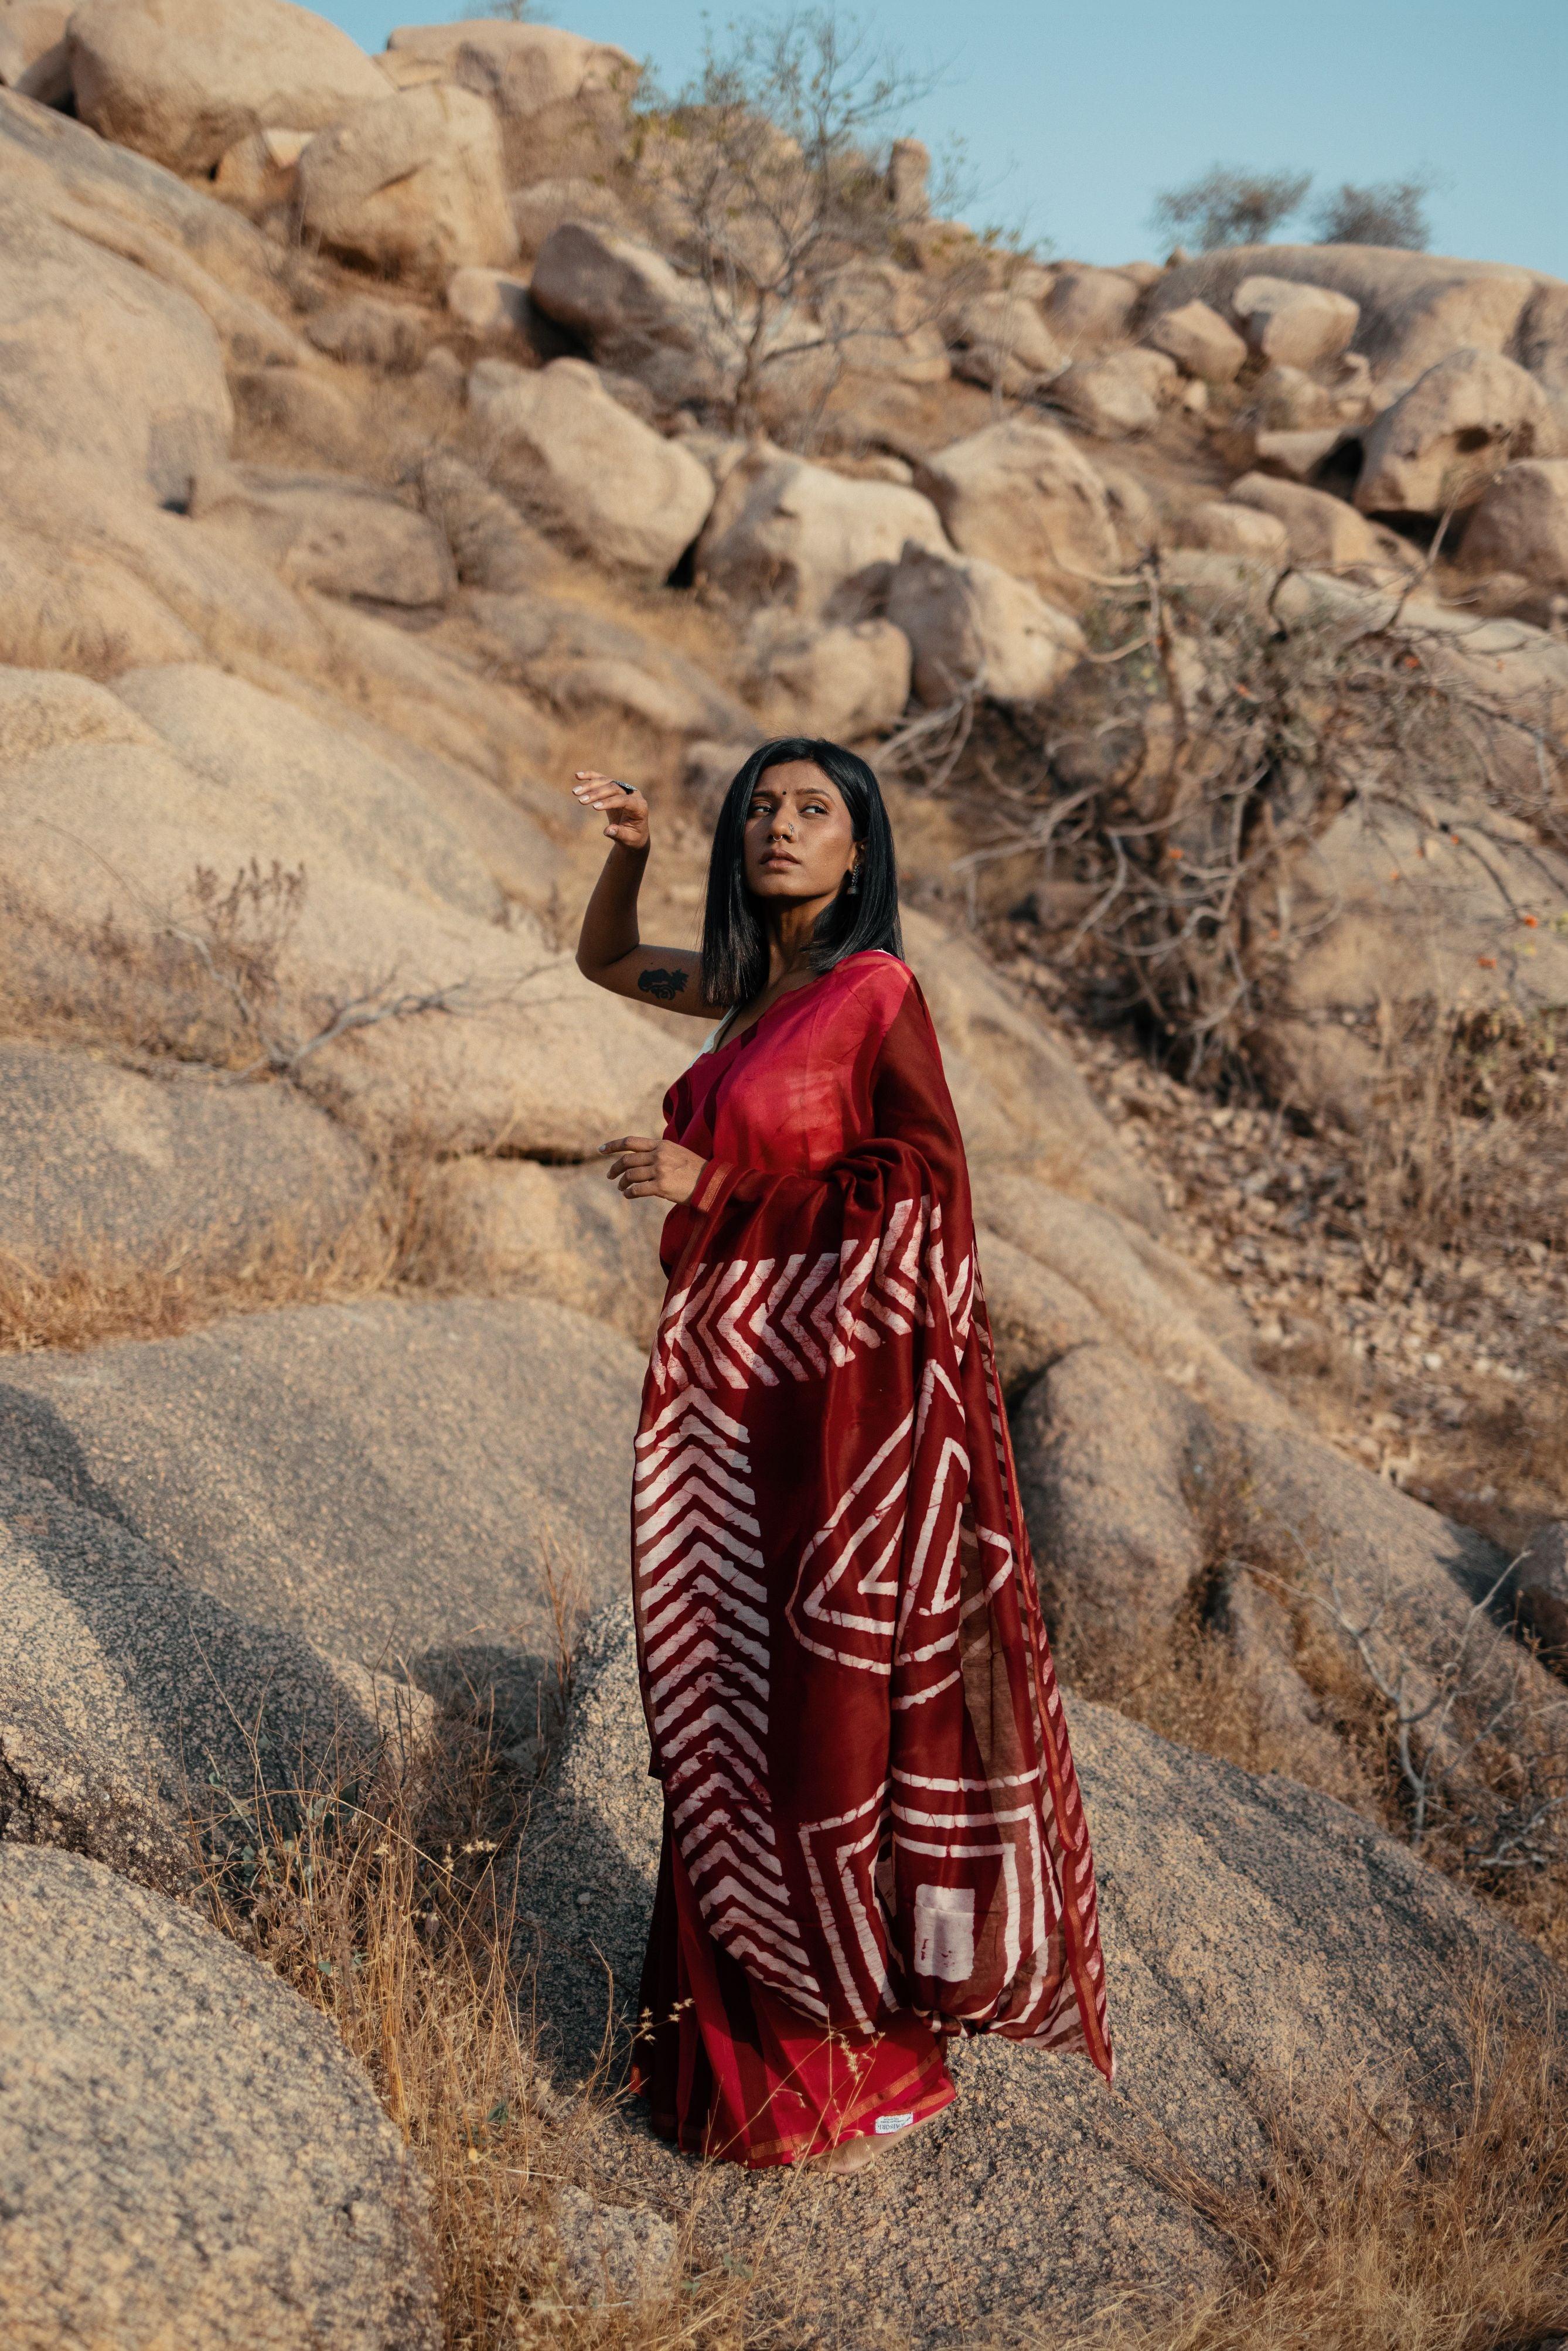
[(872, 1834)]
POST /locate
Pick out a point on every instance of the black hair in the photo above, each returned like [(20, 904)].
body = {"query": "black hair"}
[(734, 941)]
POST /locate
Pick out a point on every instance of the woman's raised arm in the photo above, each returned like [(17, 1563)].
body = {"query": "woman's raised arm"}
[(609, 950)]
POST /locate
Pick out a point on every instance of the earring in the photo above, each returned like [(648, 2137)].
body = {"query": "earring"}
[(854, 881)]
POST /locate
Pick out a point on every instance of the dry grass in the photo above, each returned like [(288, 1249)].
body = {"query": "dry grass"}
[(1436, 2231)]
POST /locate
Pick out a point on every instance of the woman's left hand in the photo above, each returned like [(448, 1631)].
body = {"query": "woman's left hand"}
[(646, 1170)]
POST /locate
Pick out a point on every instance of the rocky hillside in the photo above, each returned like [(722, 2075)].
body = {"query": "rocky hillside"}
[(383, 438)]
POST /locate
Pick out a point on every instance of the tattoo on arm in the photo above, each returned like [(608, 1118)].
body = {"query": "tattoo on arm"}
[(663, 984)]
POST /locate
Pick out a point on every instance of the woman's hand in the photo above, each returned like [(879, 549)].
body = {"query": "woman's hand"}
[(627, 810), (646, 1170)]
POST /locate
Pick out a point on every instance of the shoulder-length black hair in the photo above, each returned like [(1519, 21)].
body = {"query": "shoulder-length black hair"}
[(735, 942)]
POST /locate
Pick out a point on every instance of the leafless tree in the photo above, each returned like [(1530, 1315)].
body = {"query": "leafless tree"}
[(1387, 212), (1231, 206), (772, 183)]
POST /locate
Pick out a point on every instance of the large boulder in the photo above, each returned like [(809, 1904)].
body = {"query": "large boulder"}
[(328, 531), (1264, 1947), (1520, 524), (1118, 395), (101, 363), (584, 662), (363, 330), (1292, 325), (881, 322), (1001, 340), (1088, 308), (844, 683), (783, 531), (1199, 341), (560, 99), (107, 1166), (187, 2152), (101, 820), (1230, 527), (1021, 494), (134, 1709), (35, 58), (560, 441), (632, 309), (412, 182), (1415, 308), (974, 629), (556, 1232), (184, 81), (1442, 442), (404, 1482), (1323, 530)]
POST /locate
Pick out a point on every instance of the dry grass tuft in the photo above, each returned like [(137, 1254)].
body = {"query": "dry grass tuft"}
[(1441, 2230)]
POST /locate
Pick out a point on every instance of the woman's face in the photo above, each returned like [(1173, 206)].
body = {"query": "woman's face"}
[(799, 841)]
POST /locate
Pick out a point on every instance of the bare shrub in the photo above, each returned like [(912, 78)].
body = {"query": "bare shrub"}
[(1164, 795), (1231, 206), (1386, 212), (1444, 2229)]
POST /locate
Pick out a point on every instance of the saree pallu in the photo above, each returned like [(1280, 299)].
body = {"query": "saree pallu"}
[(874, 1838)]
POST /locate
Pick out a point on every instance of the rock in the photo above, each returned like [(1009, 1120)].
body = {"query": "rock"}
[(581, 659), (881, 320), (583, 462), (634, 310), (488, 301), (1002, 341), (118, 826), (1520, 524), (329, 532), (1415, 308), (1115, 396), (1228, 528), (302, 407), (102, 362), (1295, 324), (187, 2152), (909, 179), (611, 2254), (1021, 494), (1089, 308), (1107, 1454), (1444, 440), (843, 683), (100, 1165), (397, 1480), (132, 1707), (974, 629), (413, 184), (1323, 530), (560, 100), (1264, 1945), (363, 331), (1287, 400), (786, 532), (1540, 1586), (557, 1232), (35, 59), (258, 173), (1199, 341), (538, 210), (184, 80), (1022, 1103), (491, 544)]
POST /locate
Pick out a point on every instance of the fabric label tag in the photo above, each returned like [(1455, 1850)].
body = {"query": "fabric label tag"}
[(945, 1932), (885, 2123)]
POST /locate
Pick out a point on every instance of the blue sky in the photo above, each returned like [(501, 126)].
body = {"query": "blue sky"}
[(1075, 116)]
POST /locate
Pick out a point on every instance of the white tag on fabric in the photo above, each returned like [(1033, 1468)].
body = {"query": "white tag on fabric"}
[(945, 1932), (885, 2123)]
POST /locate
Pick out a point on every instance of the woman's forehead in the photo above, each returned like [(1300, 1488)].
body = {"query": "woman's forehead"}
[(790, 778)]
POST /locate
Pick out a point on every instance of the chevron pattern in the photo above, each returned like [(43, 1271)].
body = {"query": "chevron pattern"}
[(745, 1321), (704, 1613)]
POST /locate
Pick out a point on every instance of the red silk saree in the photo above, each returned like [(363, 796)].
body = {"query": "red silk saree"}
[(874, 1839)]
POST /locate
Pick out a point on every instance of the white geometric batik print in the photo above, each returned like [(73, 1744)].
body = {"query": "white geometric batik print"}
[(703, 1608), (746, 1322), (939, 1825)]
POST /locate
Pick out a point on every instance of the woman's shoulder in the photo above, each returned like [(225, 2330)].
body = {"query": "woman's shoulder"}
[(869, 988)]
